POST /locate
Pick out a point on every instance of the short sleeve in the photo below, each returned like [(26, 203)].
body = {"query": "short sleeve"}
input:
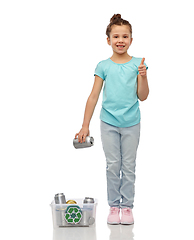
[(99, 70)]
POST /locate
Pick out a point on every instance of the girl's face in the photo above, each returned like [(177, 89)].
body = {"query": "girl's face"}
[(120, 39)]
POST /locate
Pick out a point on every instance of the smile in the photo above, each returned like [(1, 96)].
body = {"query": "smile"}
[(120, 46)]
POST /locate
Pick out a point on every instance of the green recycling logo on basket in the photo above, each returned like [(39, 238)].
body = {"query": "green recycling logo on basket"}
[(73, 214)]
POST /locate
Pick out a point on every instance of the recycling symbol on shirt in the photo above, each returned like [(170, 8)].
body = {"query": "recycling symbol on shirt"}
[(73, 214)]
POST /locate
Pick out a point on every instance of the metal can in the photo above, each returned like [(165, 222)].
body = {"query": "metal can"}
[(89, 207), (88, 200), (60, 198), (89, 142)]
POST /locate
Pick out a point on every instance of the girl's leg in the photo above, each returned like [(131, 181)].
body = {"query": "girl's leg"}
[(111, 144), (129, 144)]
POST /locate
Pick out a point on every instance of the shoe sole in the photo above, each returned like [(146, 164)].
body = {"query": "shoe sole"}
[(126, 223), (113, 223)]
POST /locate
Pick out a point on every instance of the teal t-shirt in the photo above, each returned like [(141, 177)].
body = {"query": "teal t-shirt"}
[(120, 105)]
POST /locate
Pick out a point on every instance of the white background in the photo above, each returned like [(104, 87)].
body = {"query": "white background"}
[(48, 53)]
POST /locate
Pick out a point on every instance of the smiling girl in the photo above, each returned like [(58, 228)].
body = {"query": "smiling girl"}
[(125, 83)]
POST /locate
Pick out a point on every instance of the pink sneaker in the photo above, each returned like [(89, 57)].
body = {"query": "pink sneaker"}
[(127, 216), (113, 217)]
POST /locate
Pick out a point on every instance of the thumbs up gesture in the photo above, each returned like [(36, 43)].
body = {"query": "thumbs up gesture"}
[(142, 68)]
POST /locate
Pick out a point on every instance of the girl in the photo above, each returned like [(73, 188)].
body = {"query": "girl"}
[(125, 81)]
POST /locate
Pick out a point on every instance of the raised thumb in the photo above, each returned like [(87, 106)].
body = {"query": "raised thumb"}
[(142, 61)]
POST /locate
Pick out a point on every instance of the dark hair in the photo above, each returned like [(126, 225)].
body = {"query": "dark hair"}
[(117, 20)]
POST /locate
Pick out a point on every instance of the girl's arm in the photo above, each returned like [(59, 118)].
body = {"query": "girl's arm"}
[(142, 87), (142, 82), (89, 109)]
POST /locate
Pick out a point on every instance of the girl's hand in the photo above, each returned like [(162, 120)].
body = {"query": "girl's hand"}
[(142, 68), (84, 132)]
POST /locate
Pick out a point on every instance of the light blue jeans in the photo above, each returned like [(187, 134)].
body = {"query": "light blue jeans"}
[(120, 147)]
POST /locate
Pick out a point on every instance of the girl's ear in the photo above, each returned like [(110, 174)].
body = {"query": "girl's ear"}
[(108, 41), (131, 41)]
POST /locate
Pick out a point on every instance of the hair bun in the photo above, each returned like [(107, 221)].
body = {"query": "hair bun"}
[(115, 17)]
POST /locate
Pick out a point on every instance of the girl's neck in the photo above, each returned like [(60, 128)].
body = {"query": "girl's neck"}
[(120, 58)]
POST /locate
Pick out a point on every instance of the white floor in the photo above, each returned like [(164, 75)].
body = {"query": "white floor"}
[(90, 233)]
